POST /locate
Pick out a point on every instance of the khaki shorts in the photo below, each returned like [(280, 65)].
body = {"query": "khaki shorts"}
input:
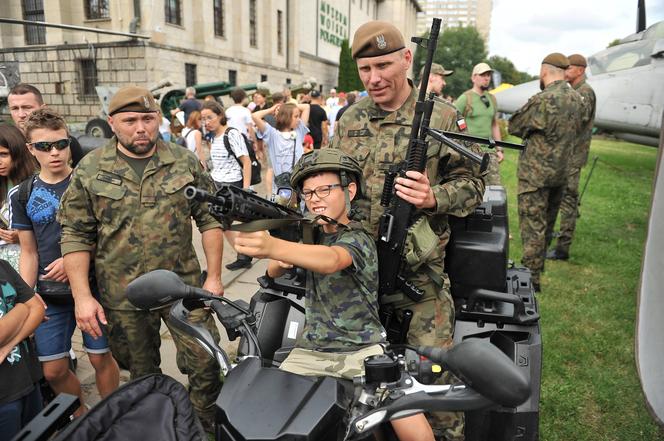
[(344, 365)]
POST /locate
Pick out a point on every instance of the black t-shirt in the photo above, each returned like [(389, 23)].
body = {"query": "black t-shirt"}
[(76, 151), (341, 112), (38, 215), (188, 106), (316, 117), (21, 369)]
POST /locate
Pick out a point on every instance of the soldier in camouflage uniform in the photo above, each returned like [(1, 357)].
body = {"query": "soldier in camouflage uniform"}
[(126, 206), (575, 75), (375, 131), (342, 326), (550, 122)]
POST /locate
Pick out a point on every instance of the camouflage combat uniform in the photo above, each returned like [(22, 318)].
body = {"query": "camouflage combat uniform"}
[(342, 325), (133, 226), (550, 122), (378, 139), (579, 158)]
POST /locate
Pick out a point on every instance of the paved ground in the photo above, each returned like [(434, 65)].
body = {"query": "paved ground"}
[(238, 284)]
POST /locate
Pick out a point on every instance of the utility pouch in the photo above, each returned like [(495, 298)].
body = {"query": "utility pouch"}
[(55, 292), (421, 242)]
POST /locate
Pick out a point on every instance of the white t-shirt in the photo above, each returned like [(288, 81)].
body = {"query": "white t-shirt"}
[(238, 118), (225, 168), (280, 147), (189, 138), (332, 101)]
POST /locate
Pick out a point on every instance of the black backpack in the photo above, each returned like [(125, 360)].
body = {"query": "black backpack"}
[(182, 140), (255, 165)]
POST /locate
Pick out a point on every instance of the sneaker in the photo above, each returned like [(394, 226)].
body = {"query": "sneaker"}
[(556, 254), (241, 262)]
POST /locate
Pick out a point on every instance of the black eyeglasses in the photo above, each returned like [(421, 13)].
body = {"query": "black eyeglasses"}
[(322, 191), (47, 146), (485, 100)]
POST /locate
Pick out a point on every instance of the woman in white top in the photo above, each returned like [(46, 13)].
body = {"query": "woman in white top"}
[(16, 164), (284, 143), (225, 167), (193, 137)]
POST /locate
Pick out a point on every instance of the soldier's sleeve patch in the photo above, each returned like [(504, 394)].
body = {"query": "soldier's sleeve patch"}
[(109, 178), (359, 133), (461, 123)]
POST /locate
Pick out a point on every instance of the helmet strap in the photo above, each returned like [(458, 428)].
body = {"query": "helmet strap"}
[(344, 185)]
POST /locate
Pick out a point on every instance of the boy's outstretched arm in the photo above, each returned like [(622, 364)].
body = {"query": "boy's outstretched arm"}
[(317, 258)]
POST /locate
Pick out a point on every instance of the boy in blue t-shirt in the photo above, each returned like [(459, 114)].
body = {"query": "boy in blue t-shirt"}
[(41, 262)]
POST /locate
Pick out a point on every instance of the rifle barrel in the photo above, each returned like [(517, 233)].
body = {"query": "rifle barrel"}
[(492, 143), (481, 159)]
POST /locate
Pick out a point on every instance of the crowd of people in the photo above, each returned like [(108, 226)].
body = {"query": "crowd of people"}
[(76, 230)]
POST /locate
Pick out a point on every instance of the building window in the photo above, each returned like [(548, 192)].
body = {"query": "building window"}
[(232, 77), (87, 77), (288, 80), (33, 10), (190, 74), (219, 18), (263, 77), (96, 9), (280, 32), (173, 12), (253, 40)]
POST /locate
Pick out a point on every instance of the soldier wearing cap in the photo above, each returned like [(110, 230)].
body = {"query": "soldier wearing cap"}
[(479, 109), (126, 206), (550, 122), (575, 75), (437, 76), (375, 132)]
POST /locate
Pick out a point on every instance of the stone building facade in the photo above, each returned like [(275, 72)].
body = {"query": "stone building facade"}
[(187, 43)]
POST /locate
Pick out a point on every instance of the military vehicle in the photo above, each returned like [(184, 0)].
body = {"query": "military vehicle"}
[(628, 82)]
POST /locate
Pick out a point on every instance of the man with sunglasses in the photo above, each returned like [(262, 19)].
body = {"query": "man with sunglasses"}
[(126, 207), (479, 110), (41, 264), (23, 99)]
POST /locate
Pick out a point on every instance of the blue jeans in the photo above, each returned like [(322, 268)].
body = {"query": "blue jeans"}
[(53, 337), (16, 414)]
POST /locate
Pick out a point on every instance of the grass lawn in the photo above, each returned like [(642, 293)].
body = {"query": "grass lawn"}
[(590, 386)]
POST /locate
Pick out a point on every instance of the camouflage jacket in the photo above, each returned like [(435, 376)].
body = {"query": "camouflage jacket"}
[(582, 147), (378, 139), (550, 121), (131, 225), (342, 308)]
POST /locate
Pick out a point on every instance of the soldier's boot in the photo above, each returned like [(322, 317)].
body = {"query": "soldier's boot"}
[(241, 262), (556, 254)]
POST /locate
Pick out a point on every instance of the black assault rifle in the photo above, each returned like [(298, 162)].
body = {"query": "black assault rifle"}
[(230, 204), (399, 215)]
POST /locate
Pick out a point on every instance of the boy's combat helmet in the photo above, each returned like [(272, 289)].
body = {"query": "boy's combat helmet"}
[(332, 160)]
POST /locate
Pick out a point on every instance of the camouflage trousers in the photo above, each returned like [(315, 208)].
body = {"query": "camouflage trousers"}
[(134, 338), (569, 210), (432, 324), (492, 176), (344, 365), (536, 206)]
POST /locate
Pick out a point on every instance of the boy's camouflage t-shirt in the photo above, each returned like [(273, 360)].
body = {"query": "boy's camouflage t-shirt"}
[(342, 308)]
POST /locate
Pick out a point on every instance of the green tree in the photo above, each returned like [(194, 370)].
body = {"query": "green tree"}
[(459, 49), (509, 72), (348, 78)]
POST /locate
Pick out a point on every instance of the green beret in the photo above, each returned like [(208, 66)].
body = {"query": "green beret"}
[(132, 99), (437, 69), (577, 60), (556, 59), (376, 38)]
